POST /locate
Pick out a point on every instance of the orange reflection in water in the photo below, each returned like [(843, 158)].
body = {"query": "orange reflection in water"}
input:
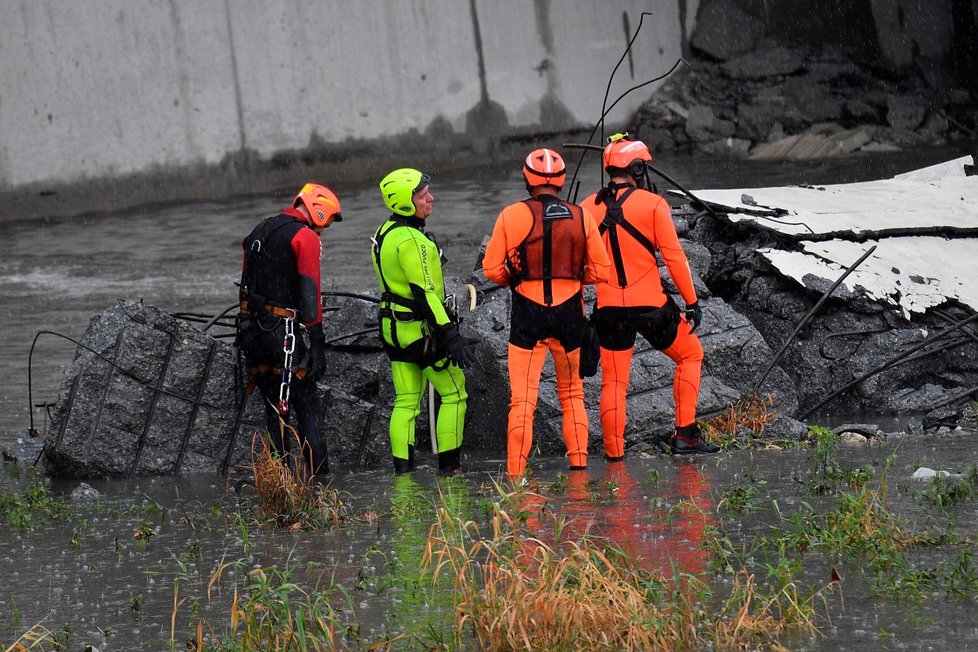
[(660, 526)]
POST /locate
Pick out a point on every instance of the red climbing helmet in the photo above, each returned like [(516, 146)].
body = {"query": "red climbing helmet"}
[(622, 152), (320, 202), (544, 167)]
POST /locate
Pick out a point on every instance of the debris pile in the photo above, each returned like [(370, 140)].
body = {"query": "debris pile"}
[(753, 95), (899, 334)]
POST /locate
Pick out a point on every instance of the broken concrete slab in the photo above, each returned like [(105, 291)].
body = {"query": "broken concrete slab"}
[(835, 224), (900, 320)]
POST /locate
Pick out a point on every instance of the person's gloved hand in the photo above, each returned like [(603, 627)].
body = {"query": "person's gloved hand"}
[(694, 315), (317, 353), (461, 349)]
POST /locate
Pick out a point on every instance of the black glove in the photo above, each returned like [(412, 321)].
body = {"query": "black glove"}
[(316, 366), (694, 315), (461, 349)]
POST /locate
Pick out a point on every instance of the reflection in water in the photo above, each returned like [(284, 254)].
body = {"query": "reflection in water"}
[(660, 523), (419, 603), (90, 570)]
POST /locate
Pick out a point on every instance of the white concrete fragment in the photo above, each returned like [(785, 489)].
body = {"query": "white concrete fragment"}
[(912, 273), (924, 473)]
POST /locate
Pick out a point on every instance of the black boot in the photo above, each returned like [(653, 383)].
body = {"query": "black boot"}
[(688, 441), (450, 462), (401, 466), (319, 457), (404, 465)]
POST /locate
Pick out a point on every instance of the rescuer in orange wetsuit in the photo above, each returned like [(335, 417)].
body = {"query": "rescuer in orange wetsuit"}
[(634, 224), (545, 249)]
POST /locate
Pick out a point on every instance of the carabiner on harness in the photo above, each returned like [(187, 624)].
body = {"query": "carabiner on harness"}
[(288, 348)]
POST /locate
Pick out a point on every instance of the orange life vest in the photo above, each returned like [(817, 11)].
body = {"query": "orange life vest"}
[(554, 248)]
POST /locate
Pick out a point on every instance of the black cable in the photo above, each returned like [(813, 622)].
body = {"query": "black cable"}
[(125, 372), (606, 109), (808, 316), (352, 295), (891, 362), (601, 120)]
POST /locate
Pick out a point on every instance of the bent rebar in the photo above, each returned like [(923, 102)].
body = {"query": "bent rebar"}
[(903, 357), (808, 315)]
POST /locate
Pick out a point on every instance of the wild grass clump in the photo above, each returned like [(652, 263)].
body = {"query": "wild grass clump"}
[(860, 525), (753, 618), (752, 412), (38, 639), (32, 505), (862, 528), (287, 492), (271, 612), (515, 591), (946, 490)]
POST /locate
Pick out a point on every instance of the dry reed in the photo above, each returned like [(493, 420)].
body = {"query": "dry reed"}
[(287, 492)]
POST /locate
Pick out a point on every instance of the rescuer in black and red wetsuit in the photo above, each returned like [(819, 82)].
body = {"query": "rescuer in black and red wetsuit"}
[(280, 298), (635, 223)]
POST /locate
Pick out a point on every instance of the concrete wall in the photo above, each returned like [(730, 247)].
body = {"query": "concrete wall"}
[(101, 89)]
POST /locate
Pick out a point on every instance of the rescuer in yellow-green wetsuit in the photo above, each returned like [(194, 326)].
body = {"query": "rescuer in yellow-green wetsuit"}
[(420, 337)]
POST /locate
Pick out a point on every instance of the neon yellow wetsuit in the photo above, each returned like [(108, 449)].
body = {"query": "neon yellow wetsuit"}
[(413, 323)]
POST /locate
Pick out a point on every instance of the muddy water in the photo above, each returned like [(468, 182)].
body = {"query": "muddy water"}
[(117, 591)]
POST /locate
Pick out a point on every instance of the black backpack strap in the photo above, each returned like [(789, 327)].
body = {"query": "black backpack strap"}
[(615, 217), (255, 302)]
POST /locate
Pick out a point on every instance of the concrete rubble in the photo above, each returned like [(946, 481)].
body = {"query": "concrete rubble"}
[(898, 333), (764, 97)]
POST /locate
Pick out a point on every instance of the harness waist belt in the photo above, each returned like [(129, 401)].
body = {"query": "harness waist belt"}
[(398, 315), (287, 313)]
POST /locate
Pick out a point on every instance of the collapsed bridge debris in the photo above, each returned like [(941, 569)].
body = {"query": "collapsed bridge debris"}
[(883, 334)]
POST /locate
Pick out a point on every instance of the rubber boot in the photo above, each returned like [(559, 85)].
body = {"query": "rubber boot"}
[(688, 441), (404, 466), (320, 457), (449, 462)]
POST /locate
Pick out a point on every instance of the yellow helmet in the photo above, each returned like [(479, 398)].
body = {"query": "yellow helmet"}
[(398, 189)]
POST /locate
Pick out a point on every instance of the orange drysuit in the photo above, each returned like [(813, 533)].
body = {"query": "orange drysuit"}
[(634, 224), (545, 249)]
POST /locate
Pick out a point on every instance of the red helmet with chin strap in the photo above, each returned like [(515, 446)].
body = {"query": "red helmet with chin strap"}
[(544, 167), (321, 203), (622, 152)]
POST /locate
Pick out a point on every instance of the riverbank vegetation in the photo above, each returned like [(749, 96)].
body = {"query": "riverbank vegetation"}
[(774, 557)]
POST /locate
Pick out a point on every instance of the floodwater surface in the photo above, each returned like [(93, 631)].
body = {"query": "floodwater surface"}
[(114, 572), (141, 556)]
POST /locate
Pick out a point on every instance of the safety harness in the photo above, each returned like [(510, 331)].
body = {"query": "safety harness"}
[(417, 351), (614, 218), (253, 303), (255, 249), (554, 248)]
